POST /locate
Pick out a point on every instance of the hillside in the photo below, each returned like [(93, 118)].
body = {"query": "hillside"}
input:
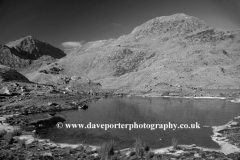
[(7, 75), (166, 53), (28, 54)]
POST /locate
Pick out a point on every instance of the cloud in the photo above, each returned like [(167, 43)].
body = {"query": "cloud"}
[(116, 24), (71, 44)]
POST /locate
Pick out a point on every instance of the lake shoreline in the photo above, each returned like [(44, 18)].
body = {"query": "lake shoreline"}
[(222, 139), (227, 148), (92, 150), (235, 99)]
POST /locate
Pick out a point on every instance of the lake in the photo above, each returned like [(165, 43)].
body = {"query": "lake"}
[(127, 110)]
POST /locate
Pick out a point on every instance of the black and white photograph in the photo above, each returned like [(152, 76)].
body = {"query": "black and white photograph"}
[(119, 79)]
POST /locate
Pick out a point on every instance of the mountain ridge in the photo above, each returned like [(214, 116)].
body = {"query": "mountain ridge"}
[(165, 24), (34, 48), (28, 54), (177, 50)]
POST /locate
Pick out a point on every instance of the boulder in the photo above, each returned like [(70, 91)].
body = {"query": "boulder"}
[(73, 78), (5, 91), (52, 104), (48, 121), (85, 106), (46, 155), (92, 92), (196, 155)]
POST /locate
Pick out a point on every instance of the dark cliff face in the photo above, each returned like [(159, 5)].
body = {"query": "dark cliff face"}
[(8, 74)]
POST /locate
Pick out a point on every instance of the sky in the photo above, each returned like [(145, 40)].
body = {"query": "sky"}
[(69, 23)]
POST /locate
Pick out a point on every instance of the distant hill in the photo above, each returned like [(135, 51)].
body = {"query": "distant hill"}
[(33, 49), (28, 53), (170, 51)]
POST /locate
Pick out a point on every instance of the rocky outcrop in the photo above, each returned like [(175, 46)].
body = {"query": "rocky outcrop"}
[(5, 91), (47, 121), (11, 57)]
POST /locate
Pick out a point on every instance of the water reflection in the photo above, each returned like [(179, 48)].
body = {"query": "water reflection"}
[(146, 110)]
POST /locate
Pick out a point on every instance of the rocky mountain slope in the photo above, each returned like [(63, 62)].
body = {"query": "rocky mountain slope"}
[(11, 57), (32, 48), (7, 74), (166, 53), (28, 54)]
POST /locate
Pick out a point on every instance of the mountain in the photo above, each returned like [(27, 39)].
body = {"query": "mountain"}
[(28, 54), (175, 25), (33, 49), (170, 52)]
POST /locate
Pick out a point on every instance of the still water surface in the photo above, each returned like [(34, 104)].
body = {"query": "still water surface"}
[(210, 112)]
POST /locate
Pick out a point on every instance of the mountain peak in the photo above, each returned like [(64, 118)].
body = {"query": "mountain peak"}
[(180, 15), (22, 41), (33, 48), (29, 37), (179, 23)]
